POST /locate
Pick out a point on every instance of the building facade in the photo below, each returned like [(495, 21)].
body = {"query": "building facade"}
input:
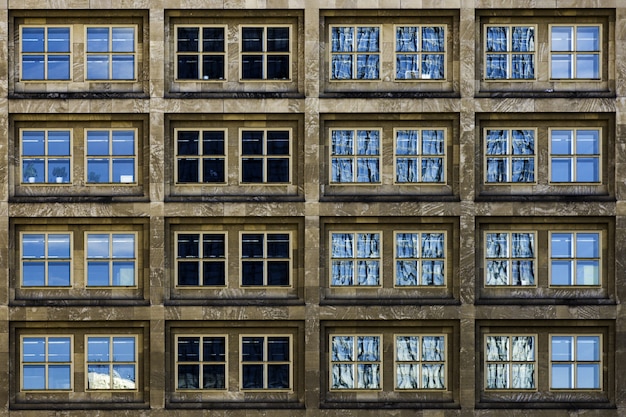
[(312, 208)]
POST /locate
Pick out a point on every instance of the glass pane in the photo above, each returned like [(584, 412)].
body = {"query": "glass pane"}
[(98, 246), (587, 376), (588, 66), (251, 170), (123, 170), (523, 376), (188, 142), (123, 39), (213, 40), (33, 377), (214, 349), (59, 377), (33, 274), (252, 376), (124, 376), (123, 273), (588, 38), (562, 66), (341, 67), (98, 170), (278, 349), (98, 67), (252, 246), (212, 67), (523, 348), (188, 377), (367, 67), (97, 142), (561, 170), (562, 245), (342, 39), (252, 273), (33, 39), (278, 376), (188, 349), (33, 142), (98, 349), (59, 142), (187, 67), (33, 67), (496, 66), (252, 142), (188, 273), (252, 67), (97, 39), (587, 273), (278, 39), (123, 349), (497, 39), (187, 39), (58, 39), (214, 273), (59, 349), (59, 246), (342, 348), (98, 274), (123, 67), (123, 142), (278, 273), (214, 376), (587, 348), (59, 67), (213, 246), (367, 348), (368, 376), (587, 245), (562, 348), (562, 38), (367, 39), (277, 142), (33, 349), (33, 246), (407, 39), (188, 246), (59, 274), (58, 170), (252, 39), (342, 376), (562, 376), (213, 143), (252, 349), (561, 272), (99, 377), (407, 348), (213, 170)]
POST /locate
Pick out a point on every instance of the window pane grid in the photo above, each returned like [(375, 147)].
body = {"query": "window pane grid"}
[(265, 156), (420, 156), (420, 259), (510, 155), (265, 53), (45, 53), (265, 259), (510, 362), (420, 52), (575, 52), (420, 362), (355, 156), (355, 362), (575, 155), (266, 363), (111, 362), (200, 53), (575, 362), (46, 259), (355, 52), (355, 259), (201, 362), (46, 363), (509, 52), (45, 156), (111, 156), (201, 259), (510, 259), (201, 156), (110, 53), (575, 259), (111, 259)]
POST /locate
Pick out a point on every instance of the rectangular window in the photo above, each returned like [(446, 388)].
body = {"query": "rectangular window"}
[(46, 259), (419, 155), (201, 362), (111, 156), (575, 362), (420, 362), (265, 156), (265, 259), (266, 363), (45, 156), (575, 155), (265, 53), (200, 156), (510, 259), (45, 52), (509, 52), (201, 259), (355, 52), (510, 362), (420, 259), (46, 363), (355, 362), (111, 363), (200, 53), (110, 53), (420, 52), (575, 52), (355, 259), (111, 259), (510, 155), (575, 259), (355, 156)]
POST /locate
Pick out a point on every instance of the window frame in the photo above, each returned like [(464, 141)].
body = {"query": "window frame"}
[(575, 259), (509, 156), (111, 53), (111, 363), (111, 157), (575, 156), (265, 157), (46, 363), (355, 259), (420, 362), (266, 259), (201, 259), (510, 259), (509, 53), (265, 53), (574, 53), (510, 362), (46, 259), (200, 363), (45, 157), (419, 156), (112, 259), (200, 53), (574, 362), (354, 157), (354, 363), (421, 53), (266, 362), (46, 54), (445, 259), (354, 53), (201, 157)]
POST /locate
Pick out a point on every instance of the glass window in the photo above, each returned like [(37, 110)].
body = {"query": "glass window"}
[(510, 362), (509, 52), (575, 52), (355, 362), (420, 52), (420, 259), (111, 259), (265, 259), (419, 155), (575, 258), (45, 52), (46, 259), (45, 156), (355, 259), (265, 156), (575, 155), (575, 362), (355, 52), (201, 259), (265, 53), (266, 362), (510, 155), (111, 362), (200, 156), (420, 362), (111, 53), (46, 363), (510, 259), (200, 53), (355, 156), (111, 156), (201, 362)]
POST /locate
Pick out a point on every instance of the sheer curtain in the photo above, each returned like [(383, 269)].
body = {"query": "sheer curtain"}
[(522, 169), (367, 246), (409, 169), (409, 59), (364, 354), (522, 66), (507, 356), (343, 40), (408, 248), (521, 246), (367, 168)]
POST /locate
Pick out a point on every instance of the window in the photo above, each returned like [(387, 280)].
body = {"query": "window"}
[(419, 155), (111, 156), (45, 52), (265, 53), (575, 362), (265, 259), (420, 362), (420, 259), (201, 362), (201, 259), (510, 52), (355, 362), (575, 155), (111, 363), (575, 259), (200, 53), (355, 259), (200, 156), (110, 52), (111, 259), (510, 259), (510, 155), (420, 52), (45, 156), (46, 363), (355, 52), (266, 363), (265, 156), (46, 259), (575, 52), (510, 362), (355, 156)]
